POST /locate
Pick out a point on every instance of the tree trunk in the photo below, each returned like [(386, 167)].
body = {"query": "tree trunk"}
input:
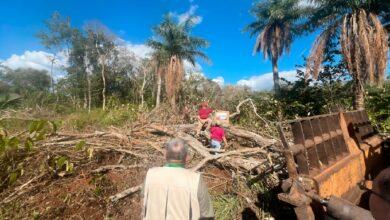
[(85, 100), (358, 102), (173, 100), (89, 92), (141, 92), (159, 80), (51, 76), (104, 85), (276, 76)]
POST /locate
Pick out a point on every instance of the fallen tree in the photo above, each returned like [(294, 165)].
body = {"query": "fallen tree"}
[(209, 155)]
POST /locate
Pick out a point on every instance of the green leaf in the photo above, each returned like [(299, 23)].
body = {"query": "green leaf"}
[(2, 143), (28, 144), (90, 153), (41, 125), (80, 145), (12, 178), (33, 126), (61, 162), (13, 142), (69, 167)]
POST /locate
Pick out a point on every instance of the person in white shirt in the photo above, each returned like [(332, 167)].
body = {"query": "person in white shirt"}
[(173, 192)]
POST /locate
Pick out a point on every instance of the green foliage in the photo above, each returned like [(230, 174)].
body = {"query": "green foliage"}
[(226, 206), (378, 106), (60, 165), (98, 118), (307, 97), (14, 149), (9, 100), (101, 184), (26, 81), (174, 39), (80, 145)]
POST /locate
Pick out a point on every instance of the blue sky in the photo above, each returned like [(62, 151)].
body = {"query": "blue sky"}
[(222, 23)]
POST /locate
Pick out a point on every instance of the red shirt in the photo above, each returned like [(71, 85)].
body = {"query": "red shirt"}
[(217, 133), (204, 112)]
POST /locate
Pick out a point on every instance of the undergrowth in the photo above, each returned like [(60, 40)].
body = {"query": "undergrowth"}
[(98, 118), (226, 206)]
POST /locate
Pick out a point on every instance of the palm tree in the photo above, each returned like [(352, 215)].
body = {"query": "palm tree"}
[(175, 41), (362, 38), (274, 29)]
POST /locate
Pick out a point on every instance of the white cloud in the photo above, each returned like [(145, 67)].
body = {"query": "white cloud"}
[(189, 68), (265, 81), (140, 50), (219, 80), (196, 19), (307, 3), (38, 60)]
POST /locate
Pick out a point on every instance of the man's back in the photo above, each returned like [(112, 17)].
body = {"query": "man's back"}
[(175, 193)]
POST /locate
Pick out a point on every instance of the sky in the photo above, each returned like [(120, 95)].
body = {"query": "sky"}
[(221, 22)]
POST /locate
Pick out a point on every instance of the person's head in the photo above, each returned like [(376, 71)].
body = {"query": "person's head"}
[(176, 151), (204, 104)]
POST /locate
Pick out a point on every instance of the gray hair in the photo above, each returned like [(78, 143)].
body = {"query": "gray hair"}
[(176, 150)]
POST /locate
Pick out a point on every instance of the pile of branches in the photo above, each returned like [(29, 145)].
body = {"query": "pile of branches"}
[(247, 159)]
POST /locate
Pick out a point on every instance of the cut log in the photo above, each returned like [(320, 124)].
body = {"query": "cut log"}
[(125, 193), (260, 140), (247, 164), (194, 143), (120, 150), (244, 151), (234, 131), (106, 168)]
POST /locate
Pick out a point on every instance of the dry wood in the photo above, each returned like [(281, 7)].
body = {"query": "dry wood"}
[(247, 164), (106, 168), (238, 111), (260, 140), (71, 136), (245, 151), (156, 147), (125, 193), (19, 191), (120, 150), (234, 131)]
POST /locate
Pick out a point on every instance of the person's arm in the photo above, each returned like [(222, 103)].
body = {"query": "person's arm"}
[(204, 200), (225, 141)]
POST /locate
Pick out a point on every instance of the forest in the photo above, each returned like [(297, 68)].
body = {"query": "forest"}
[(77, 146)]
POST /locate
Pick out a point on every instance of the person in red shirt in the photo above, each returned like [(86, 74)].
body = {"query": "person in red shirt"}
[(204, 116), (217, 135)]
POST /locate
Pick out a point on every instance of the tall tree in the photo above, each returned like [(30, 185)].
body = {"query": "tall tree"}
[(362, 37), (57, 37), (159, 59), (175, 40), (274, 25), (102, 46)]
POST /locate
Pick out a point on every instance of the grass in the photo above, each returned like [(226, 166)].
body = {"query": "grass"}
[(98, 118), (226, 206)]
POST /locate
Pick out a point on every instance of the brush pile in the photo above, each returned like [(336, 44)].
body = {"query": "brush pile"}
[(99, 174)]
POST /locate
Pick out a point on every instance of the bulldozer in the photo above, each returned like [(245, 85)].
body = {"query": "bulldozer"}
[(337, 167)]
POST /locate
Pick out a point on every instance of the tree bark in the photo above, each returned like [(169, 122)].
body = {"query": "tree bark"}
[(275, 76), (159, 80), (89, 92), (141, 92), (104, 85), (85, 100), (358, 102)]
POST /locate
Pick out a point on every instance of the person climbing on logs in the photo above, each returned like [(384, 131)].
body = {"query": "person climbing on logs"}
[(173, 192), (204, 117), (217, 135)]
